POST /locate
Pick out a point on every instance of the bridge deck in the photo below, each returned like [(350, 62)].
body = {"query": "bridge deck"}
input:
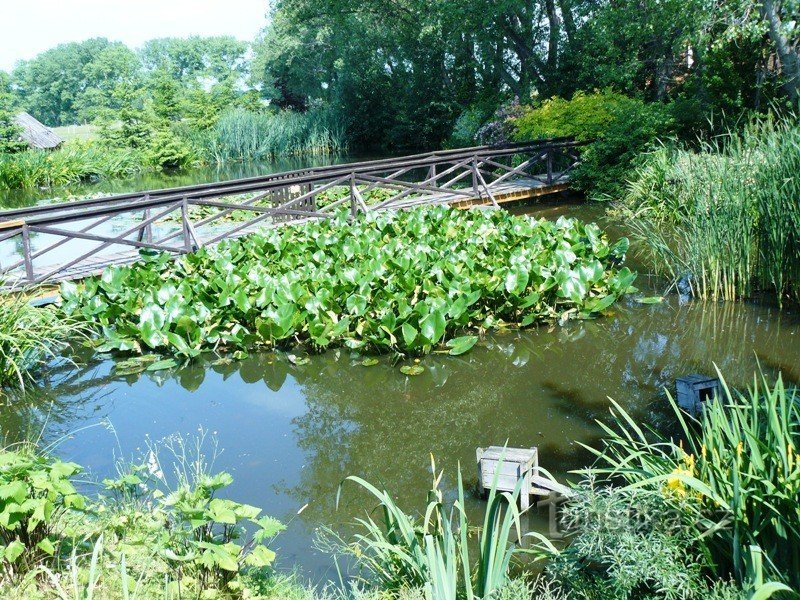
[(71, 241)]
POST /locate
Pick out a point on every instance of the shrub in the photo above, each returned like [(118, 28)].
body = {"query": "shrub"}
[(627, 544), (619, 128), (735, 474)]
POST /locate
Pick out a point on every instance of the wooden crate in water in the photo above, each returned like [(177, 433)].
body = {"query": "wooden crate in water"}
[(513, 464), (694, 390)]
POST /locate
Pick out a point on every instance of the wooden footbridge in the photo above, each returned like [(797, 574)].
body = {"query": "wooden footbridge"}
[(58, 242)]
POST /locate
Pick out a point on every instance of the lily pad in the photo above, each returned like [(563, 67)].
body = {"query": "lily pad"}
[(298, 360), (412, 370), (650, 300), (369, 362)]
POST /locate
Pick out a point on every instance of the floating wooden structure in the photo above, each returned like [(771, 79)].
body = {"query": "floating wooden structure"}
[(694, 390), (505, 467), (65, 241)]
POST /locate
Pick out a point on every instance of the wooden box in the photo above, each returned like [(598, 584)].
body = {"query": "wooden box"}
[(513, 464), (694, 390)]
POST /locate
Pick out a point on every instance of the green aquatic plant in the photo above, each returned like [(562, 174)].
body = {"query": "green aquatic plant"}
[(735, 473), (725, 219), (30, 337), (435, 553), (35, 491), (404, 281)]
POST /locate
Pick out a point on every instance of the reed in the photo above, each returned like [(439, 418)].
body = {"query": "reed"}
[(736, 471), (248, 135), (29, 338), (725, 219), (71, 164)]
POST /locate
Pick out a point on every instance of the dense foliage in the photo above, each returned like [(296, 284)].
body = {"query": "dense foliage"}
[(724, 219), (619, 128), (395, 281), (734, 475), (29, 338)]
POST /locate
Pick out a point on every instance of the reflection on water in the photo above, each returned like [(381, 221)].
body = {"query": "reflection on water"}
[(292, 433)]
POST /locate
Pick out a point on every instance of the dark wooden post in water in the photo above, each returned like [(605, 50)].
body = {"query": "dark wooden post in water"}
[(550, 167), (26, 250)]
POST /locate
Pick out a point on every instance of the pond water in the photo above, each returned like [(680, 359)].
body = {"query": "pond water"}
[(291, 434)]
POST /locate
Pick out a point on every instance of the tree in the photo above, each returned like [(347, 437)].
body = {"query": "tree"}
[(9, 130)]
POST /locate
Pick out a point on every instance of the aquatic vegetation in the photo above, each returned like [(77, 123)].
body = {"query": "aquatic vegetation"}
[(735, 473), (724, 219), (403, 281), (242, 134), (73, 163), (29, 337), (434, 554), (148, 533)]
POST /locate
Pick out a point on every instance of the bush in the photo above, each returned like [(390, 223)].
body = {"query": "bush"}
[(620, 130), (735, 476)]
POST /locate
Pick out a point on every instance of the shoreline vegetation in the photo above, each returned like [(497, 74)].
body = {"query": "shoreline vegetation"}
[(165, 527)]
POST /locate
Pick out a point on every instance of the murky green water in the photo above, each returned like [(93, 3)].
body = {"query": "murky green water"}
[(292, 433)]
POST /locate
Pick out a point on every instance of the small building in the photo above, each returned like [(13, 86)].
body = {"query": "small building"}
[(35, 134)]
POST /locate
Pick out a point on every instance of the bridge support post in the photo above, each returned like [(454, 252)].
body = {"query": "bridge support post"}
[(550, 167), (476, 190), (26, 253), (188, 246)]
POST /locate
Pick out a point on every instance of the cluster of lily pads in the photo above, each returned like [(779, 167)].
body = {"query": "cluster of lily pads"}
[(407, 282)]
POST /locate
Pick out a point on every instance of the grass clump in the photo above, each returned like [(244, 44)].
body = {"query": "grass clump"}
[(724, 219), (29, 337), (734, 477), (242, 134), (404, 282)]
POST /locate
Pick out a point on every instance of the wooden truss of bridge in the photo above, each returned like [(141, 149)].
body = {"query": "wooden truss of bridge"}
[(59, 242)]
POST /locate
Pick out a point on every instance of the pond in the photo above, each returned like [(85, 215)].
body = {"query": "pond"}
[(292, 433)]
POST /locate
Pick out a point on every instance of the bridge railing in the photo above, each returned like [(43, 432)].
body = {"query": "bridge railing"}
[(71, 240)]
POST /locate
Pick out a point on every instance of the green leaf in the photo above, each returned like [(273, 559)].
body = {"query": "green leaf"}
[(260, 556), (650, 300), (162, 365), (412, 370), (460, 345), (369, 362), (13, 551)]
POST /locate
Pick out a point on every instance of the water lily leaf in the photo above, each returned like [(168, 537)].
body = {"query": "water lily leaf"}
[(298, 360), (650, 300), (369, 362), (412, 370), (162, 365), (462, 344)]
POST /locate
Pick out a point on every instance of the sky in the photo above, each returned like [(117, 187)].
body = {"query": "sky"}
[(28, 27)]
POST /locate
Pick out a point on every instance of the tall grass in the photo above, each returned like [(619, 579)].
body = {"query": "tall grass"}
[(71, 164), (736, 469), (726, 218), (29, 338), (247, 135), (400, 552)]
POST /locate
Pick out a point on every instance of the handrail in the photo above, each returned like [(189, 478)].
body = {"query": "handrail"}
[(154, 198)]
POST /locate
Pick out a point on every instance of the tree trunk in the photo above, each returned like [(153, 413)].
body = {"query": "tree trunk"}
[(787, 50)]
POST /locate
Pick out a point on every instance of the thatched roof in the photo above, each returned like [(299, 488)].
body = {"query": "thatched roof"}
[(36, 134)]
